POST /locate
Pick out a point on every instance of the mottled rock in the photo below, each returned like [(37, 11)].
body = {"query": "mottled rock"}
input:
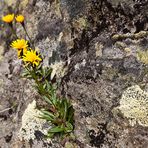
[(97, 42)]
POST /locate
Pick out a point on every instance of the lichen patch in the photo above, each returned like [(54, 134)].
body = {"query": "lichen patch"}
[(31, 123), (134, 105)]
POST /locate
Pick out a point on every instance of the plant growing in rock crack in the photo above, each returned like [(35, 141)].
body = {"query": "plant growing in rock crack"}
[(60, 111)]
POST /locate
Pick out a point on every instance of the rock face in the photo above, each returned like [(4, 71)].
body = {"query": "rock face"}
[(98, 41)]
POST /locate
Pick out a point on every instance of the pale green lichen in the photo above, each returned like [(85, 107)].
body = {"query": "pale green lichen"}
[(23, 3), (1, 53), (31, 123), (139, 35), (143, 56), (59, 69), (134, 105), (128, 51), (99, 48), (120, 45)]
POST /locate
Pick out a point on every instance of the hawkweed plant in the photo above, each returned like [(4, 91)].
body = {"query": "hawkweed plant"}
[(59, 111), (21, 19), (8, 19)]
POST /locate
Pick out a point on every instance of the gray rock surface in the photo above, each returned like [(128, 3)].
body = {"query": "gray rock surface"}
[(98, 41)]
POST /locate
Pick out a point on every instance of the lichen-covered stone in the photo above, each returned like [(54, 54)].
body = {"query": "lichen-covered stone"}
[(31, 123), (58, 69), (1, 52), (97, 41), (143, 56), (134, 105)]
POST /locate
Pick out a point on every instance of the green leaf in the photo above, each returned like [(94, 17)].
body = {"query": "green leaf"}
[(50, 135), (44, 86), (65, 109), (26, 74), (60, 105), (48, 72), (46, 117), (43, 71), (54, 99), (56, 129), (47, 99), (57, 114), (39, 67), (68, 128), (48, 113), (70, 114)]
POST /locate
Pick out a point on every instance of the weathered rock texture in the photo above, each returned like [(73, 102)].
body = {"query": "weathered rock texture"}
[(98, 41)]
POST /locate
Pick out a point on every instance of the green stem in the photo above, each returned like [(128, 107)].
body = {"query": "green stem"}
[(44, 92), (14, 33), (31, 42)]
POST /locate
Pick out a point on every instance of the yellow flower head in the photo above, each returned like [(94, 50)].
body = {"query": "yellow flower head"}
[(19, 44), (32, 57), (8, 18), (20, 18), (21, 52)]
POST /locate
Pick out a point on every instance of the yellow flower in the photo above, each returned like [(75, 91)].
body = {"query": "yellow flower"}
[(32, 57), (19, 44), (8, 18), (21, 52), (20, 18)]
